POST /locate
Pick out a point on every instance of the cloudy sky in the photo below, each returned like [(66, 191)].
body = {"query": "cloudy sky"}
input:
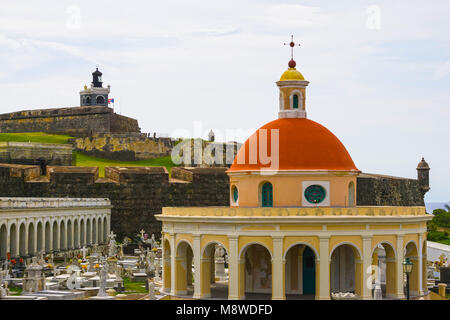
[(379, 71)]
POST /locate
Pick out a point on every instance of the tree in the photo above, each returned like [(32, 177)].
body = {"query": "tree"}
[(441, 218)]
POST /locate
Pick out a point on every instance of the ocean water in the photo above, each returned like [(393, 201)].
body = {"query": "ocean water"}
[(430, 206)]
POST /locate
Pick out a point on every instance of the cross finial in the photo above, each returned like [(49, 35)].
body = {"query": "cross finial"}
[(292, 44)]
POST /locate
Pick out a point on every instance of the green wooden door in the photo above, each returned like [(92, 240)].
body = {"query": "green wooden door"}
[(309, 272)]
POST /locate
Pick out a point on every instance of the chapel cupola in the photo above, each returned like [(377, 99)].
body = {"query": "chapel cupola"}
[(292, 86), (96, 95)]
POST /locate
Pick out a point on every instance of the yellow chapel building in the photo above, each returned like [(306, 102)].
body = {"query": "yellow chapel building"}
[(293, 229)]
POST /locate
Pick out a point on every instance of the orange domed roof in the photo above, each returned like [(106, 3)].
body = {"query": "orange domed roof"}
[(303, 145)]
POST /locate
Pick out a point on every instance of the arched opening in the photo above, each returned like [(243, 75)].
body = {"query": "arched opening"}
[(40, 236), (105, 229), (88, 100), (22, 240), (55, 236), (99, 231), (256, 270), (13, 240), (295, 101), (62, 236), (385, 274), (411, 253), (88, 232), (47, 237), (214, 272), (300, 273), (69, 234), (345, 270), (31, 239), (94, 230), (100, 100), (167, 276), (3, 242), (184, 273), (76, 234), (351, 194), (266, 195), (82, 234)]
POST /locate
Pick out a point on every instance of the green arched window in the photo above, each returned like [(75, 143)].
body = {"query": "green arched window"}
[(235, 194), (267, 195), (295, 101)]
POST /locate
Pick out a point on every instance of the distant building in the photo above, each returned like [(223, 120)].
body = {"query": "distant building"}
[(92, 116), (211, 136)]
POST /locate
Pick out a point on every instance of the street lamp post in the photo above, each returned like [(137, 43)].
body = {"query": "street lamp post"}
[(407, 268)]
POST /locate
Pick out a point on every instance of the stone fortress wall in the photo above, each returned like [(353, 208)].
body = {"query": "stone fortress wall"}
[(34, 153), (123, 146), (382, 190), (138, 193), (77, 121)]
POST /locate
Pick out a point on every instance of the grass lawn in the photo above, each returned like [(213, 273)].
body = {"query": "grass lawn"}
[(133, 286), (83, 160), (447, 242), (15, 291), (39, 137)]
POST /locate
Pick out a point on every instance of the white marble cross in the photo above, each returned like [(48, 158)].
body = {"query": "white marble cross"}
[(84, 250), (112, 236), (142, 233)]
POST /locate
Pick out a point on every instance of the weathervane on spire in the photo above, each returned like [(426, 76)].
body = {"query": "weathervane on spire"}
[(292, 44)]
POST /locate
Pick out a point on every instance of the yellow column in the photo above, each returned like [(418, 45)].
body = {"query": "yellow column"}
[(173, 271), (205, 277), (241, 268), (366, 267), (400, 276), (278, 283), (233, 268), (198, 277), (324, 269), (419, 264)]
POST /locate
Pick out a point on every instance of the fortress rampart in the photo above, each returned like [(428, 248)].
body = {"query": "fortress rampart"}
[(77, 121)]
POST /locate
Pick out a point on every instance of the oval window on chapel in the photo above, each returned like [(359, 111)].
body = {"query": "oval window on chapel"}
[(235, 194), (315, 193)]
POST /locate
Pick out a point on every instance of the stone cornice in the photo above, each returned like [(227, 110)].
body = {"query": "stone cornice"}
[(298, 212), (289, 220), (238, 173)]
